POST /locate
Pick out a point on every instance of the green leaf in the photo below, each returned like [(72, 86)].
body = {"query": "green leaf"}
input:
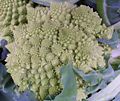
[(48, 2), (69, 84), (92, 79), (109, 10), (114, 41)]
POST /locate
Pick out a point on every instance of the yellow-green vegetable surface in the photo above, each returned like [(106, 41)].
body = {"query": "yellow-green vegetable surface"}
[(51, 38), (12, 12)]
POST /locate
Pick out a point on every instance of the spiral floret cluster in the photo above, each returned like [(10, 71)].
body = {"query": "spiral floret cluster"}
[(12, 12), (63, 33)]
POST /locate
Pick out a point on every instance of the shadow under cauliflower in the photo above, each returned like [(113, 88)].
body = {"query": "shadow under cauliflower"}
[(51, 38)]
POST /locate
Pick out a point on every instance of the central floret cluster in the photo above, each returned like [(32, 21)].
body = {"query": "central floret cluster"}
[(51, 38)]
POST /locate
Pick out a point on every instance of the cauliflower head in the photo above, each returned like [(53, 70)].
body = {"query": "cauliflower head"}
[(52, 37)]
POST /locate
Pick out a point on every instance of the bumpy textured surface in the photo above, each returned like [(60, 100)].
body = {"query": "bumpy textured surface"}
[(12, 12), (51, 38)]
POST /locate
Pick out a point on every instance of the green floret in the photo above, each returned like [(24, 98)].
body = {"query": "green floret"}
[(63, 33), (12, 12)]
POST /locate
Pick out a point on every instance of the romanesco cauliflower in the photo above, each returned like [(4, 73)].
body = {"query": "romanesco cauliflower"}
[(51, 38)]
